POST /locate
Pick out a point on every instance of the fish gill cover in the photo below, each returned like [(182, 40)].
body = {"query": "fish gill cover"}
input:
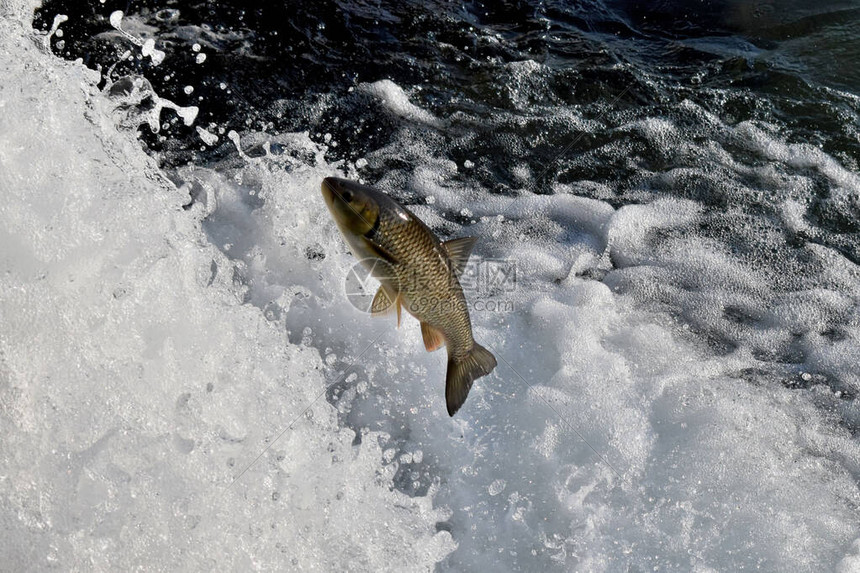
[(667, 197)]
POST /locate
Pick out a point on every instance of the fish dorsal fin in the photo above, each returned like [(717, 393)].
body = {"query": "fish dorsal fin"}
[(384, 303), (433, 339), (458, 252)]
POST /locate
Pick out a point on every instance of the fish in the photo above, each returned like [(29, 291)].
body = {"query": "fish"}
[(417, 272)]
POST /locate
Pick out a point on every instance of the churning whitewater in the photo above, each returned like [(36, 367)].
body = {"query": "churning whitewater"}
[(665, 201)]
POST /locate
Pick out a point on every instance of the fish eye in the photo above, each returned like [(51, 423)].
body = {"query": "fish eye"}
[(347, 196)]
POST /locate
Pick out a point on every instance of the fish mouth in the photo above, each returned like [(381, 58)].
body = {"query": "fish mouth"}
[(328, 188)]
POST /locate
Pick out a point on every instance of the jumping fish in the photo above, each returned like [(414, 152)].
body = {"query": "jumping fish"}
[(417, 272)]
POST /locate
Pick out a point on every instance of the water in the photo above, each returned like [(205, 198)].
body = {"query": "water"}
[(676, 186)]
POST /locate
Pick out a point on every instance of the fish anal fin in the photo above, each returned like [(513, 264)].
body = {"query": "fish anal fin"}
[(433, 338), (458, 252), (462, 372)]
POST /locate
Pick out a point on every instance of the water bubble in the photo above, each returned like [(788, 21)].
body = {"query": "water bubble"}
[(208, 137), (497, 487), (167, 15)]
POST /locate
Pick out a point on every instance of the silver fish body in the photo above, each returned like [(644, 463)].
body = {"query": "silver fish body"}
[(417, 272)]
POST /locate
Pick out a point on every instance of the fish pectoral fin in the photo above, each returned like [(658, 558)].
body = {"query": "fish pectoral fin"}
[(458, 252), (433, 338), (380, 251), (383, 302)]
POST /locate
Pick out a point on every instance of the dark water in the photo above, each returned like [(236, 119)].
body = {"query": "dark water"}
[(291, 64)]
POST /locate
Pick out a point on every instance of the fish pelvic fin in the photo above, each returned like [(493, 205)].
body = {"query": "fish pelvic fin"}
[(458, 252), (433, 338), (397, 303), (462, 372)]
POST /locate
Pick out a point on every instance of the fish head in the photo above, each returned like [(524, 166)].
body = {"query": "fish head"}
[(354, 207)]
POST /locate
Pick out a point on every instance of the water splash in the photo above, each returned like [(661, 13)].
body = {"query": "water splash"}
[(147, 47), (136, 103), (46, 39), (208, 137)]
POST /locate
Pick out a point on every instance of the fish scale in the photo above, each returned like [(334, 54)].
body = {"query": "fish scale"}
[(427, 283)]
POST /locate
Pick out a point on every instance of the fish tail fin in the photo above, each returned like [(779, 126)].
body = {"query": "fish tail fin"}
[(463, 371)]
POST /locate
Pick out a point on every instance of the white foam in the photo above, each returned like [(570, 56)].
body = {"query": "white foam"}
[(651, 404), (633, 418), (800, 155), (632, 423), (397, 102), (137, 385)]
